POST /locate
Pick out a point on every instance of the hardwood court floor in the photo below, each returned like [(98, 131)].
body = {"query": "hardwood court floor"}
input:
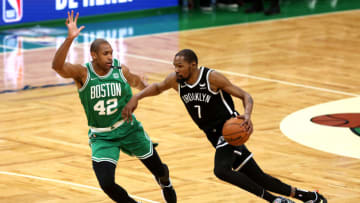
[(43, 132)]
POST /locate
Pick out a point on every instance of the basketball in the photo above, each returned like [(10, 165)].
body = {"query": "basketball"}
[(234, 133)]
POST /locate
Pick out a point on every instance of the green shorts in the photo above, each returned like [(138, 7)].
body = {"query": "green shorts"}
[(129, 138)]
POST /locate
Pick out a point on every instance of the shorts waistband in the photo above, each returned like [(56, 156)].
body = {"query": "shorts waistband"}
[(107, 129)]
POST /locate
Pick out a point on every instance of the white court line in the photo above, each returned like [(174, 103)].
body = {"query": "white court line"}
[(246, 75), (234, 73), (66, 183), (260, 78), (291, 84), (148, 58)]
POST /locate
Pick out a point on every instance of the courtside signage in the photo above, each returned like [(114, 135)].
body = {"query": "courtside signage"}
[(74, 4), (31, 11), (12, 10)]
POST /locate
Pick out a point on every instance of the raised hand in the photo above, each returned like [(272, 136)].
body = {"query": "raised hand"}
[(71, 24)]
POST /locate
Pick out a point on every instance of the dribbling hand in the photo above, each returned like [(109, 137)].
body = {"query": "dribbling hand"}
[(247, 123)]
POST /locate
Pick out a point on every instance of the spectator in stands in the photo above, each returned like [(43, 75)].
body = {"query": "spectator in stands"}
[(258, 6), (229, 4)]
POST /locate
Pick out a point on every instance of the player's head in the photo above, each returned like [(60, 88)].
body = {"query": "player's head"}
[(101, 52), (185, 63)]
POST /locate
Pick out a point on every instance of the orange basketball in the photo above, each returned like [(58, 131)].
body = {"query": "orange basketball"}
[(234, 133)]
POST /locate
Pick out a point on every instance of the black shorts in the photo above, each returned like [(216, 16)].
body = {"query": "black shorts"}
[(241, 153)]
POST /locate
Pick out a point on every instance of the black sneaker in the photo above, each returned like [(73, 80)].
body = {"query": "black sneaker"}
[(318, 198), (168, 191)]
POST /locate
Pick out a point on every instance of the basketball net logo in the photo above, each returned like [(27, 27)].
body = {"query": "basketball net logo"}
[(12, 10), (347, 120)]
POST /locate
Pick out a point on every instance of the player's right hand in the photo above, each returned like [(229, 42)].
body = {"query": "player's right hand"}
[(71, 24), (247, 123)]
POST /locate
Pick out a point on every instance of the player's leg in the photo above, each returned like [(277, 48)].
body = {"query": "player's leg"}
[(105, 173), (105, 155), (253, 171), (224, 159), (161, 174), (140, 145)]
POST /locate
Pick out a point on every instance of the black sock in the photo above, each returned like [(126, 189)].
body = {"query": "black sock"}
[(304, 195), (157, 168)]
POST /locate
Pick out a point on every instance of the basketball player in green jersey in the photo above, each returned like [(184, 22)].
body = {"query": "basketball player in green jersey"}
[(104, 89)]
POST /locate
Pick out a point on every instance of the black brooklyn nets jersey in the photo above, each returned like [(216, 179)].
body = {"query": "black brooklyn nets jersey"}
[(207, 108)]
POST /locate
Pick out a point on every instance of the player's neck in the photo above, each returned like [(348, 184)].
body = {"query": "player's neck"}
[(101, 71), (194, 77)]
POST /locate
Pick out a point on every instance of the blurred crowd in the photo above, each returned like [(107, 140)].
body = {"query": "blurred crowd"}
[(251, 6)]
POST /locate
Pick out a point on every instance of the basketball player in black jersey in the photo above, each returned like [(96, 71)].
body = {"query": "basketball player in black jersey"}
[(207, 96)]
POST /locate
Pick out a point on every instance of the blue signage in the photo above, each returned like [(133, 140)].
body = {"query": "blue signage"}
[(29, 11)]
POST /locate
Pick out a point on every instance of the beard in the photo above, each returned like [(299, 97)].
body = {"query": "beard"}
[(181, 80)]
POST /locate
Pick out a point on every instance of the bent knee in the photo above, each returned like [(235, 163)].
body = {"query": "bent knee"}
[(221, 172)]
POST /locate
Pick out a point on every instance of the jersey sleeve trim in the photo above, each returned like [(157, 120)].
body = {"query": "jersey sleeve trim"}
[(87, 79), (208, 82), (122, 75), (225, 103)]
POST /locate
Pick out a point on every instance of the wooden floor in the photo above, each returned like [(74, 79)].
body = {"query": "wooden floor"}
[(44, 149)]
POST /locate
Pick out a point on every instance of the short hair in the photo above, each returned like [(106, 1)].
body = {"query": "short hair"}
[(189, 55), (94, 47)]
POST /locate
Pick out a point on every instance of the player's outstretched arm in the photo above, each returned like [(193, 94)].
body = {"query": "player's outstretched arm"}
[(151, 90), (68, 70), (134, 80)]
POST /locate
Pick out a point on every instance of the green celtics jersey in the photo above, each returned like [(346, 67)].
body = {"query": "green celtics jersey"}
[(104, 97)]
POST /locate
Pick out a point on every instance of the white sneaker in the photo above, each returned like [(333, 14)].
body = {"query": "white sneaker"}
[(221, 5), (206, 8), (282, 200), (318, 198), (233, 6)]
